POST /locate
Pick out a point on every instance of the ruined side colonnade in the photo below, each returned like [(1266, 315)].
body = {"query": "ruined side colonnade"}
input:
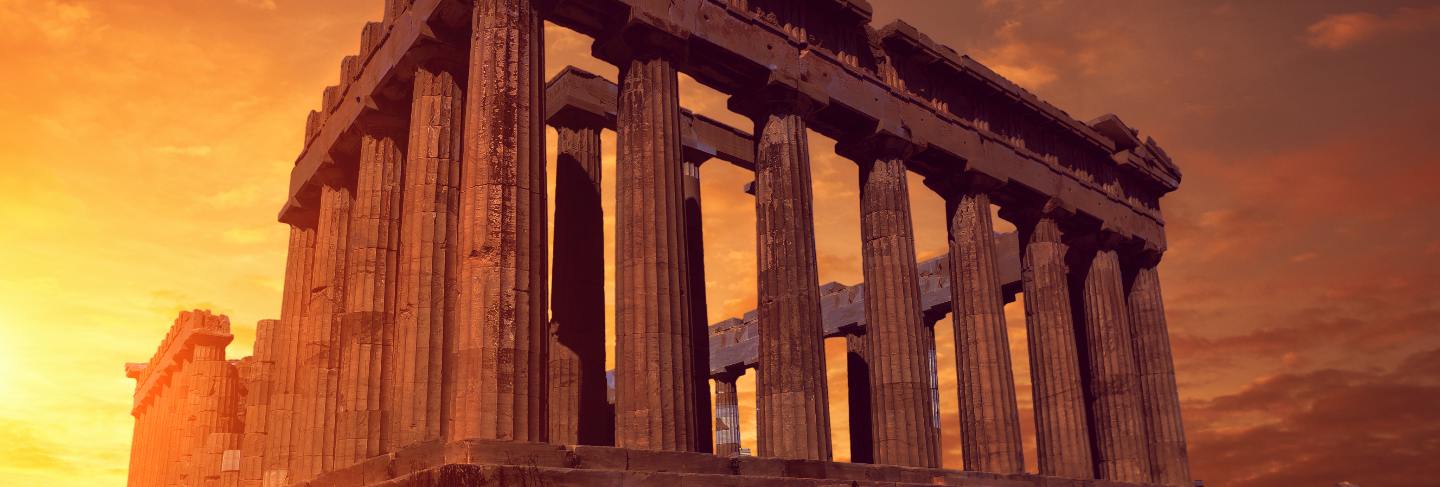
[(419, 307), (187, 407)]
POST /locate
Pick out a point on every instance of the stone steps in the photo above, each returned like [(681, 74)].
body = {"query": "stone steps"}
[(476, 463)]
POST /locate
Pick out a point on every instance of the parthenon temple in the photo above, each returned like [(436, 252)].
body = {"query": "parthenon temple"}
[(432, 332)]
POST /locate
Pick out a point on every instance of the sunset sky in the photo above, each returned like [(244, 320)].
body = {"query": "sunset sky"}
[(145, 147)]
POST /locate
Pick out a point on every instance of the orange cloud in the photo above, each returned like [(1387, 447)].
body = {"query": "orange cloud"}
[(1018, 60), (1342, 30), (1339, 31), (1322, 428), (53, 20)]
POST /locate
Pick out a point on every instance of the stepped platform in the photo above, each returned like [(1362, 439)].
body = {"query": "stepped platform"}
[(485, 463)]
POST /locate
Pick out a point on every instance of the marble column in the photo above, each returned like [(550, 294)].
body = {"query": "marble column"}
[(861, 411), (1062, 436), (167, 435), (792, 396), (898, 360), (319, 353), (149, 450), (425, 294), (1113, 392), (369, 316), (258, 388), (1169, 461), (189, 416), (176, 425), (213, 393), (280, 439), (220, 462), (499, 373), (989, 420), (654, 372), (727, 416), (577, 347), (932, 431), (180, 425), (137, 446), (699, 309)]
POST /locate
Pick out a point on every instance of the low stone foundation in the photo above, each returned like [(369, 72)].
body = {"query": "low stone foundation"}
[(477, 463)]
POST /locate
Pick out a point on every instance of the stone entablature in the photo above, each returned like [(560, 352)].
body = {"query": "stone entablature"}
[(190, 329), (893, 81)]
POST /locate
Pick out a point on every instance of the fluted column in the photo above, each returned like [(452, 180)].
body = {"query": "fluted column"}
[(177, 424), (1062, 436), (932, 430), (369, 318), (989, 421), (425, 291), (1169, 461), (280, 439), (189, 418), (861, 411), (219, 465), (699, 309), (137, 451), (258, 388), (213, 394), (169, 432), (502, 332), (150, 450), (898, 360), (319, 353), (792, 392), (654, 372), (1114, 388), (132, 473), (577, 348), (727, 416)]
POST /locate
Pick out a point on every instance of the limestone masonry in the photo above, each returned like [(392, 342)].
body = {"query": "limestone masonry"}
[(427, 338)]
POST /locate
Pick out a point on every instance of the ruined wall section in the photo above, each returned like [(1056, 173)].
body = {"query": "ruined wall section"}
[(188, 409)]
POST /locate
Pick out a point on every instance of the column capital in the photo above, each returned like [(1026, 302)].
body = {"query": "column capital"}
[(574, 118), (208, 338), (932, 317), (384, 119), (439, 51), (781, 93), (304, 219), (640, 39), (1141, 258), (1095, 240), (1136, 253), (883, 144), (967, 183), (730, 375), (690, 156), (333, 173), (853, 330), (1027, 212)]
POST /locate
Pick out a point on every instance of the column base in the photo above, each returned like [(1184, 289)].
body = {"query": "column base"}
[(477, 463)]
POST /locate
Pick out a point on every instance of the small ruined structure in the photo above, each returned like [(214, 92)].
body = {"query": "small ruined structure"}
[(187, 407), (427, 338)]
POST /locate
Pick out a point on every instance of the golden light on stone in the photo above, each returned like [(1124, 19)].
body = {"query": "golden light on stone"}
[(427, 337)]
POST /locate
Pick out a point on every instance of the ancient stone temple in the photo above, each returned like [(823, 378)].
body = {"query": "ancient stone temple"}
[(427, 336)]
